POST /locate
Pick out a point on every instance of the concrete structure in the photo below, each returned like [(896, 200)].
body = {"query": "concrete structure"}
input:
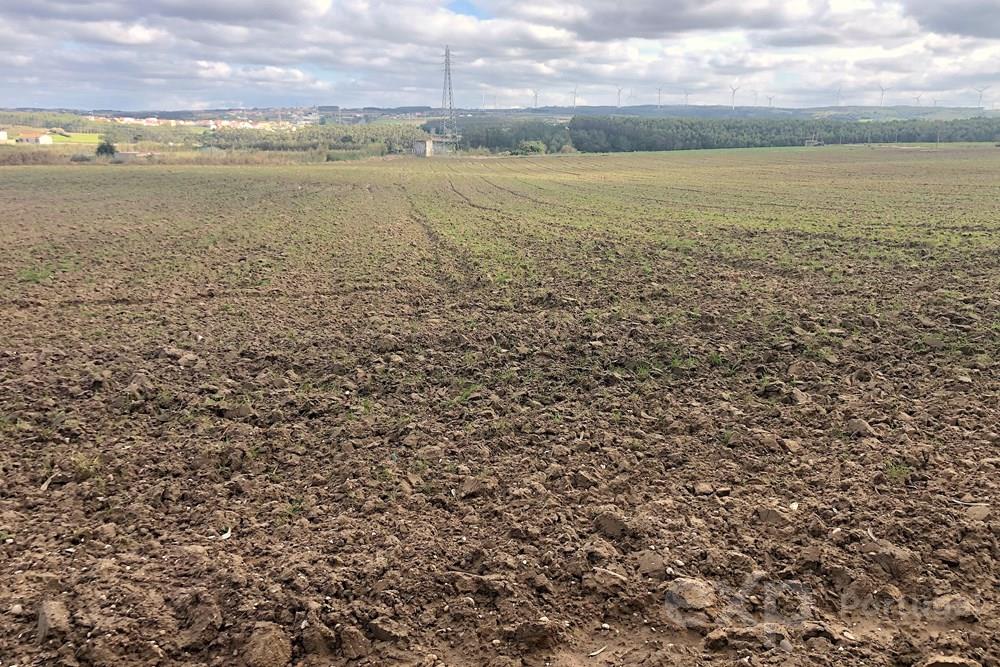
[(423, 148), (3, 136)]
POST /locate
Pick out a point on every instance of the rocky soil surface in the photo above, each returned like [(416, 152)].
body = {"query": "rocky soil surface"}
[(485, 413)]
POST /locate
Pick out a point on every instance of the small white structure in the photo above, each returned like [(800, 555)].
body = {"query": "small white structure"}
[(423, 148), (34, 138), (3, 136)]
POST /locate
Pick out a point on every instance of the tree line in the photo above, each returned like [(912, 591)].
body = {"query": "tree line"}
[(527, 136), (616, 134), (386, 137)]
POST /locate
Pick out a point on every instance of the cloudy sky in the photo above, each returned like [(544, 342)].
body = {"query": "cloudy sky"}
[(172, 54)]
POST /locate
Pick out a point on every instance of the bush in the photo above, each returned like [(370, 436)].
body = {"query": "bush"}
[(81, 157), (106, 148), (530, 148)]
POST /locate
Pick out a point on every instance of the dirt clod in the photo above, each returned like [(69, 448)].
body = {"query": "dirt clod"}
[(954, 607), (386, 629), (611, 524), (354, 643), (53, 620), (948, 661), (691, 594), (268, 646)]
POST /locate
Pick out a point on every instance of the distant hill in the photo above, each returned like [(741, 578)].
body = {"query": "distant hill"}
[(846, 113)]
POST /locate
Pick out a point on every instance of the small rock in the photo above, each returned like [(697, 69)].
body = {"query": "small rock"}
[(978, 512), (268, 646), (792, 445), (703, 489), (691, 594), (354, 643), (858, 428), (53, 619), (651, 564)]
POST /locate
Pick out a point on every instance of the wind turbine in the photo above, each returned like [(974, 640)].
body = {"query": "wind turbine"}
[(881, 100), (734, 89), (840, 89), (659, 98), (687, 96), (535, 91), (574, 96), (981, 91), (620, 89), (770, 101), (917, 98)]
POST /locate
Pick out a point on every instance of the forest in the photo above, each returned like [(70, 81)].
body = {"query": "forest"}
[(616, 134)]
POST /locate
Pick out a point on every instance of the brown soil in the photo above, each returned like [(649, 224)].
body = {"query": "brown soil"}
[(336, 434)]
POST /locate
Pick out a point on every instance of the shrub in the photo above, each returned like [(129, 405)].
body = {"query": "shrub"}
[(106, 148), (530, 148)]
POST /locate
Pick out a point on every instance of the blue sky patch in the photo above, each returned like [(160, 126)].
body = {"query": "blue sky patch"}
[(467, 8)]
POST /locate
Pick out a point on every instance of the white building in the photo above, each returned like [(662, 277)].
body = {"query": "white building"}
[(3, 136), (423, 148), (34, 138)]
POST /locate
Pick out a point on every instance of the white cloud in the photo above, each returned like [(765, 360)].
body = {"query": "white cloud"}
[(213, 70), (388, 52), (126, 34)]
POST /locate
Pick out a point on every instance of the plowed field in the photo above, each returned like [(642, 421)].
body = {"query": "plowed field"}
[(708, 408)]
